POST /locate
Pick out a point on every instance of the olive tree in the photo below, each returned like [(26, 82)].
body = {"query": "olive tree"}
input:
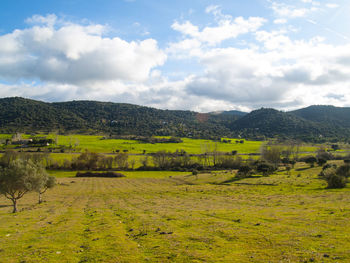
[(20, 177), (42, 181)]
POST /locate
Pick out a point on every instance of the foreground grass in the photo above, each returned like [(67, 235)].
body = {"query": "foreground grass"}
[(182, 218)]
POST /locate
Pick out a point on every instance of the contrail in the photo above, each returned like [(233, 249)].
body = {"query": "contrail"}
[(329, 29)]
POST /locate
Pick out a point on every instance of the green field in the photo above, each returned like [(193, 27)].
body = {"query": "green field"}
[(79, 143), (193, 146), (152, 217)]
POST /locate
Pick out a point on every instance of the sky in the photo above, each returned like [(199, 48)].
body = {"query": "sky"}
[(195, 55)]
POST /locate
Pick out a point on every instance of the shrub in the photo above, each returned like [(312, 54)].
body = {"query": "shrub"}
[(106, 174), (244, 171), (336, 181), (344, 171), (309, 160), (321, 161), (266, 168)]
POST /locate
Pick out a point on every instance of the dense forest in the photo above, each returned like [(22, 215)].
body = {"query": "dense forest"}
[(315, 123)]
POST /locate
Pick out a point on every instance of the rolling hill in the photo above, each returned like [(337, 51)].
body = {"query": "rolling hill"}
[(336, 116), (314, 123)]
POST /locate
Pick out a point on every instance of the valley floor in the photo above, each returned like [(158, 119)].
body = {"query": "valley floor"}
[(181, 218)]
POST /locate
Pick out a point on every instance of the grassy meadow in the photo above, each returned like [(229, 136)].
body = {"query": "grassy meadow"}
[(192, 146), (164, 216), (178, 217)]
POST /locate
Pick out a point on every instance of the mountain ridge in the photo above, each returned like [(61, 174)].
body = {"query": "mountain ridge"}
[(313, 123)]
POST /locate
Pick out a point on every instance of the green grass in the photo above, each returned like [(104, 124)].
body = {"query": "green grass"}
[(194, 146), (151, 217)]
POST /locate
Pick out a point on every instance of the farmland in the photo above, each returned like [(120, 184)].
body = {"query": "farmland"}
[(177, 217), (173, 216)]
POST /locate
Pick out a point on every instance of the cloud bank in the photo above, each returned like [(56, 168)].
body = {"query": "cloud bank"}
[(245, 63)]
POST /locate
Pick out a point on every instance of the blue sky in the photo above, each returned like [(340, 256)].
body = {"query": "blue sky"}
[(199, 55)]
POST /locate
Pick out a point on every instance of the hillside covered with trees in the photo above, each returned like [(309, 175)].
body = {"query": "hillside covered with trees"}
[(315, 123)]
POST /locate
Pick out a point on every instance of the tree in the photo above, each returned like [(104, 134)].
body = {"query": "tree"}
[(87, 160), (336, 181), (17, 179), (311, 160), (244, 171), (271, 154), (42, 182), (265, 168), (336, 178), (321, 161)]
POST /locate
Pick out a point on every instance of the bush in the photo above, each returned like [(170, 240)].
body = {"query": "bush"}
[(336, 181), (244, 171), (106, 174), (266, 168), (321, 161), (310, 160), (344, 171)]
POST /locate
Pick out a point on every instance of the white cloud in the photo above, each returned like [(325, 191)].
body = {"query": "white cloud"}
[(74, 54), (58, 61), (280, 21), (283, 73), (227, 27), (284, 10), (48, 20), (186, 28), (332, 5)]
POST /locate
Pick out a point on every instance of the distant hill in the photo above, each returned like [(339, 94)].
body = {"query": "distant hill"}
[(336, 116), (25, 115), (273, 123), (315, 123), (231, 112)]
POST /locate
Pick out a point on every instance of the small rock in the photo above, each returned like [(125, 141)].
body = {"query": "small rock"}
[(8, 235), (325, 255), (58, 252)]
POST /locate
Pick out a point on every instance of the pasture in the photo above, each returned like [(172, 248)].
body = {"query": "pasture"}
[(178, 217), (192, 146)]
